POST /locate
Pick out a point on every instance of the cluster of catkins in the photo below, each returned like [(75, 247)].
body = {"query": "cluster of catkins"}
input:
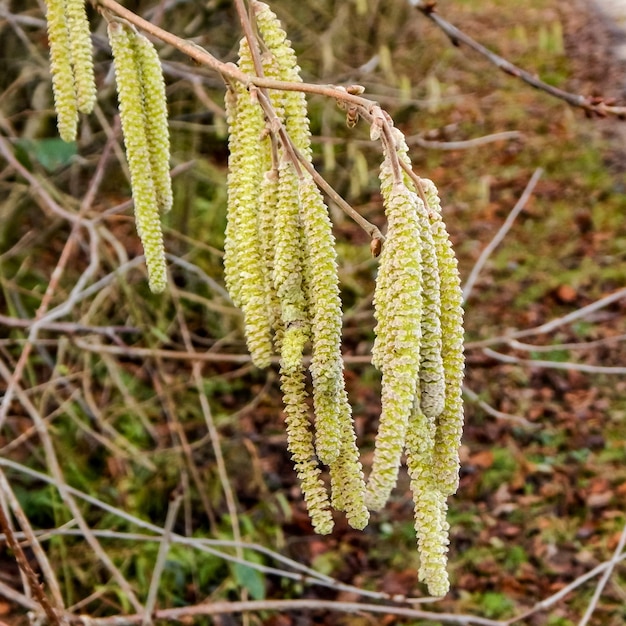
[(281, 269), (143, 112)]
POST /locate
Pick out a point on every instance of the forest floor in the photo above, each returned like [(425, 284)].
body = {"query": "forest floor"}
[(543, 481)]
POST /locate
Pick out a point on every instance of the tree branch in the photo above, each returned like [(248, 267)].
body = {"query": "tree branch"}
[(597, 106)]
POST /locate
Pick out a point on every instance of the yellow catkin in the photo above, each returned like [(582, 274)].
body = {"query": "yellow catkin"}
[(155, 110), (450, 422), (430, 503), (398, 310), (320, 257), (431, 528), (325, 310), (284, 66), (266, 227), (129, 89), (288, 274), (432, 381), (346, 473), (244, 171), (243, 258), (82, 54), (300, 444), (235, 158), (63, 84)]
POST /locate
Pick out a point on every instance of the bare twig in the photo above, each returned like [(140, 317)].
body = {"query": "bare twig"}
[(229, 70), (558, 365), (47, 570), (593, 603), (228, 608), (18, 598), (64, 491), (549, 602), (592, 105), (33, 580), (518, 419), (77, 222), (465, 144), (579, 345), (502, 231), (67, 328), (552, 325), (164, 548)]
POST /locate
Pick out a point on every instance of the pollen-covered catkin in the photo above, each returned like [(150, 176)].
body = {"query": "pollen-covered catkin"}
[(346, 473), (325, 312), (155, 111), (243, 256), (63, 85), (398, 310), (244, 124), (284, 66), (319, 262), (267, 223), (430, 523), (450, 421), (431, 528), (300, 443), (129, 89), (82, 54), (289, 273), (432, 380)]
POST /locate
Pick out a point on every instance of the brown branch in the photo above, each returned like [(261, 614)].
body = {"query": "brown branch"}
[(33, 580), (592, 105), (184, 355), (67, 328), (226, 608), (229, 70)]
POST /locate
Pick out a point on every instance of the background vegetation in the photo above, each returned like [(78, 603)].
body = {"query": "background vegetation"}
[(148, 408)]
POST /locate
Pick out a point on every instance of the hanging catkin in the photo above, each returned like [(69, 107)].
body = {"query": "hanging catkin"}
[(81, 54), (280, 266), (63, 85), (398, 305), (130, 89), (450, 421)]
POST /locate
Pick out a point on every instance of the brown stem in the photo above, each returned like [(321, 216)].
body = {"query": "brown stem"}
[(596, 105), (230, 70), (33, 580)]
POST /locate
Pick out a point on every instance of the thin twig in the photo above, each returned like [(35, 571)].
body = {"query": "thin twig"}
[(62, 487), (518, 419), (18, 598), (67, 328), (44, 564), (557, 365), (228, 608), (77, 222), (593, 105), (501, 234), (159, 566), (229, 494), (371, 229), (593, 603), (22, 562), (579, 345), (230, 70), (464, 144), (552, 325), (549, 602)]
